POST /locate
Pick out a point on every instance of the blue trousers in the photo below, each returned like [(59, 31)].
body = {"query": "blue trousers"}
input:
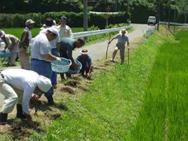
[(42, 68), (55, 52)]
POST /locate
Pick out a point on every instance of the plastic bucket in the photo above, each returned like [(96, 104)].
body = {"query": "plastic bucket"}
[(76, 70), (4, 54), (61, 66)]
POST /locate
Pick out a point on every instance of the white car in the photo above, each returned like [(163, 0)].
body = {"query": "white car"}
[(152, 20)]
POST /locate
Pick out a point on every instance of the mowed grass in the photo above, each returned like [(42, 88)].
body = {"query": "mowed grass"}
[(111, 108), (164, 116), (18, 31)]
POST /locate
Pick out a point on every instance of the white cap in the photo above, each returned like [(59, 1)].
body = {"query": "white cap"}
[(53, 29), (44, 84)]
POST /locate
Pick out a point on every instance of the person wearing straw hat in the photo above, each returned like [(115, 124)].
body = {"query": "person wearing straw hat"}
[(122, 40), (12, 44), (41, 56), (17, 86), (25, 42), (86, 62)]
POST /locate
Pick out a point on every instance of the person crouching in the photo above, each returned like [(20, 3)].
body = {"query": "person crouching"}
[(17, 86), (86, 62)]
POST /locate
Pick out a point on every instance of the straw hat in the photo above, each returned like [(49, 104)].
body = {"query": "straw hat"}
[(2, 33), (84, 51), (29, 22)]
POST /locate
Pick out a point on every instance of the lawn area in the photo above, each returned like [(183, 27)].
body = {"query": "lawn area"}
[(144, 101), (18, 31)]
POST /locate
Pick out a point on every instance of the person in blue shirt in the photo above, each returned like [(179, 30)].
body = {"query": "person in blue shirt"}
[(66, 47), (86, 62)]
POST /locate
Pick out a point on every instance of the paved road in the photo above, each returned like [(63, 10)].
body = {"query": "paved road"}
[(97, 51)]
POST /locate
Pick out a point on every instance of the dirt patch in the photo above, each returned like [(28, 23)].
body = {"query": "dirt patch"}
[(72, 83), (67, 89)]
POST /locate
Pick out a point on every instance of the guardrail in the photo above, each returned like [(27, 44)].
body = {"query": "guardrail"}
[(98, 32), (173, 23)]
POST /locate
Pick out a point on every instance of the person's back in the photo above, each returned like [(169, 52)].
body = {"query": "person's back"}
[(85, 60), (12, 76), (67, 45), (40, 45)]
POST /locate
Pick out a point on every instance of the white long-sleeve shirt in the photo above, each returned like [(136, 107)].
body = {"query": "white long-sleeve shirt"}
[(24, 80)]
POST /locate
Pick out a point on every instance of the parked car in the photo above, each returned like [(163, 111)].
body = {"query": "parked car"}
[(152, 20)]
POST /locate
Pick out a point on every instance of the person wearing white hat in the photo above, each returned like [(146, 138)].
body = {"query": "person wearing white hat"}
[(12, 44), (25, 42), (122, 40), (41, 56), (49, 22), (17, 86), (86, 62)]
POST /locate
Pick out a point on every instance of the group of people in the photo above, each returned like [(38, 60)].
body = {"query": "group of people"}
[(36, 77)]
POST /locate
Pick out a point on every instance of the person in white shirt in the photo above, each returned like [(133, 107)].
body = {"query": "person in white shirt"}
[(25, 42), (49, 22), (122, 40), (17, 86), (64, 29), (41, 56), (11, 43)]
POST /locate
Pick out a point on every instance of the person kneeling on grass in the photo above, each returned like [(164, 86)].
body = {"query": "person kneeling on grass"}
[(18, 86), (86, 62)]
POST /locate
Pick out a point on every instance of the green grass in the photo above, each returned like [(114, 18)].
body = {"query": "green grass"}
[(111, 108), (18, 31), (164, 115)]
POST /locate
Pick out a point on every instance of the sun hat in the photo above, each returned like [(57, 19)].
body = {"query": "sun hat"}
[(84, 51), (123, 30), (2, 33), (44, 84), (29, 22), (53, 29)]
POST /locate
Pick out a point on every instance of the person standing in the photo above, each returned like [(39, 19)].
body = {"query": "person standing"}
[(41, 56), (25, 42), (11, 43), (49, 22), (17, 86), (122, 40), (64, 29)]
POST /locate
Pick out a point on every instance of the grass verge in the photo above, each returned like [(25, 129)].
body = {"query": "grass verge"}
[(164, 113), (112, 105)]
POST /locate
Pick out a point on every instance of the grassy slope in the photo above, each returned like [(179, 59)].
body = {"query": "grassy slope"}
[(164, 115), (111, 107)]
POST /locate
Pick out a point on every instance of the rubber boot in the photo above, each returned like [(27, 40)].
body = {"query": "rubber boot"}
[(20, 112), (50, 100), (3, 118)]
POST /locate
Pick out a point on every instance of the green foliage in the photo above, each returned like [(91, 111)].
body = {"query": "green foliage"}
[(74, 19)]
